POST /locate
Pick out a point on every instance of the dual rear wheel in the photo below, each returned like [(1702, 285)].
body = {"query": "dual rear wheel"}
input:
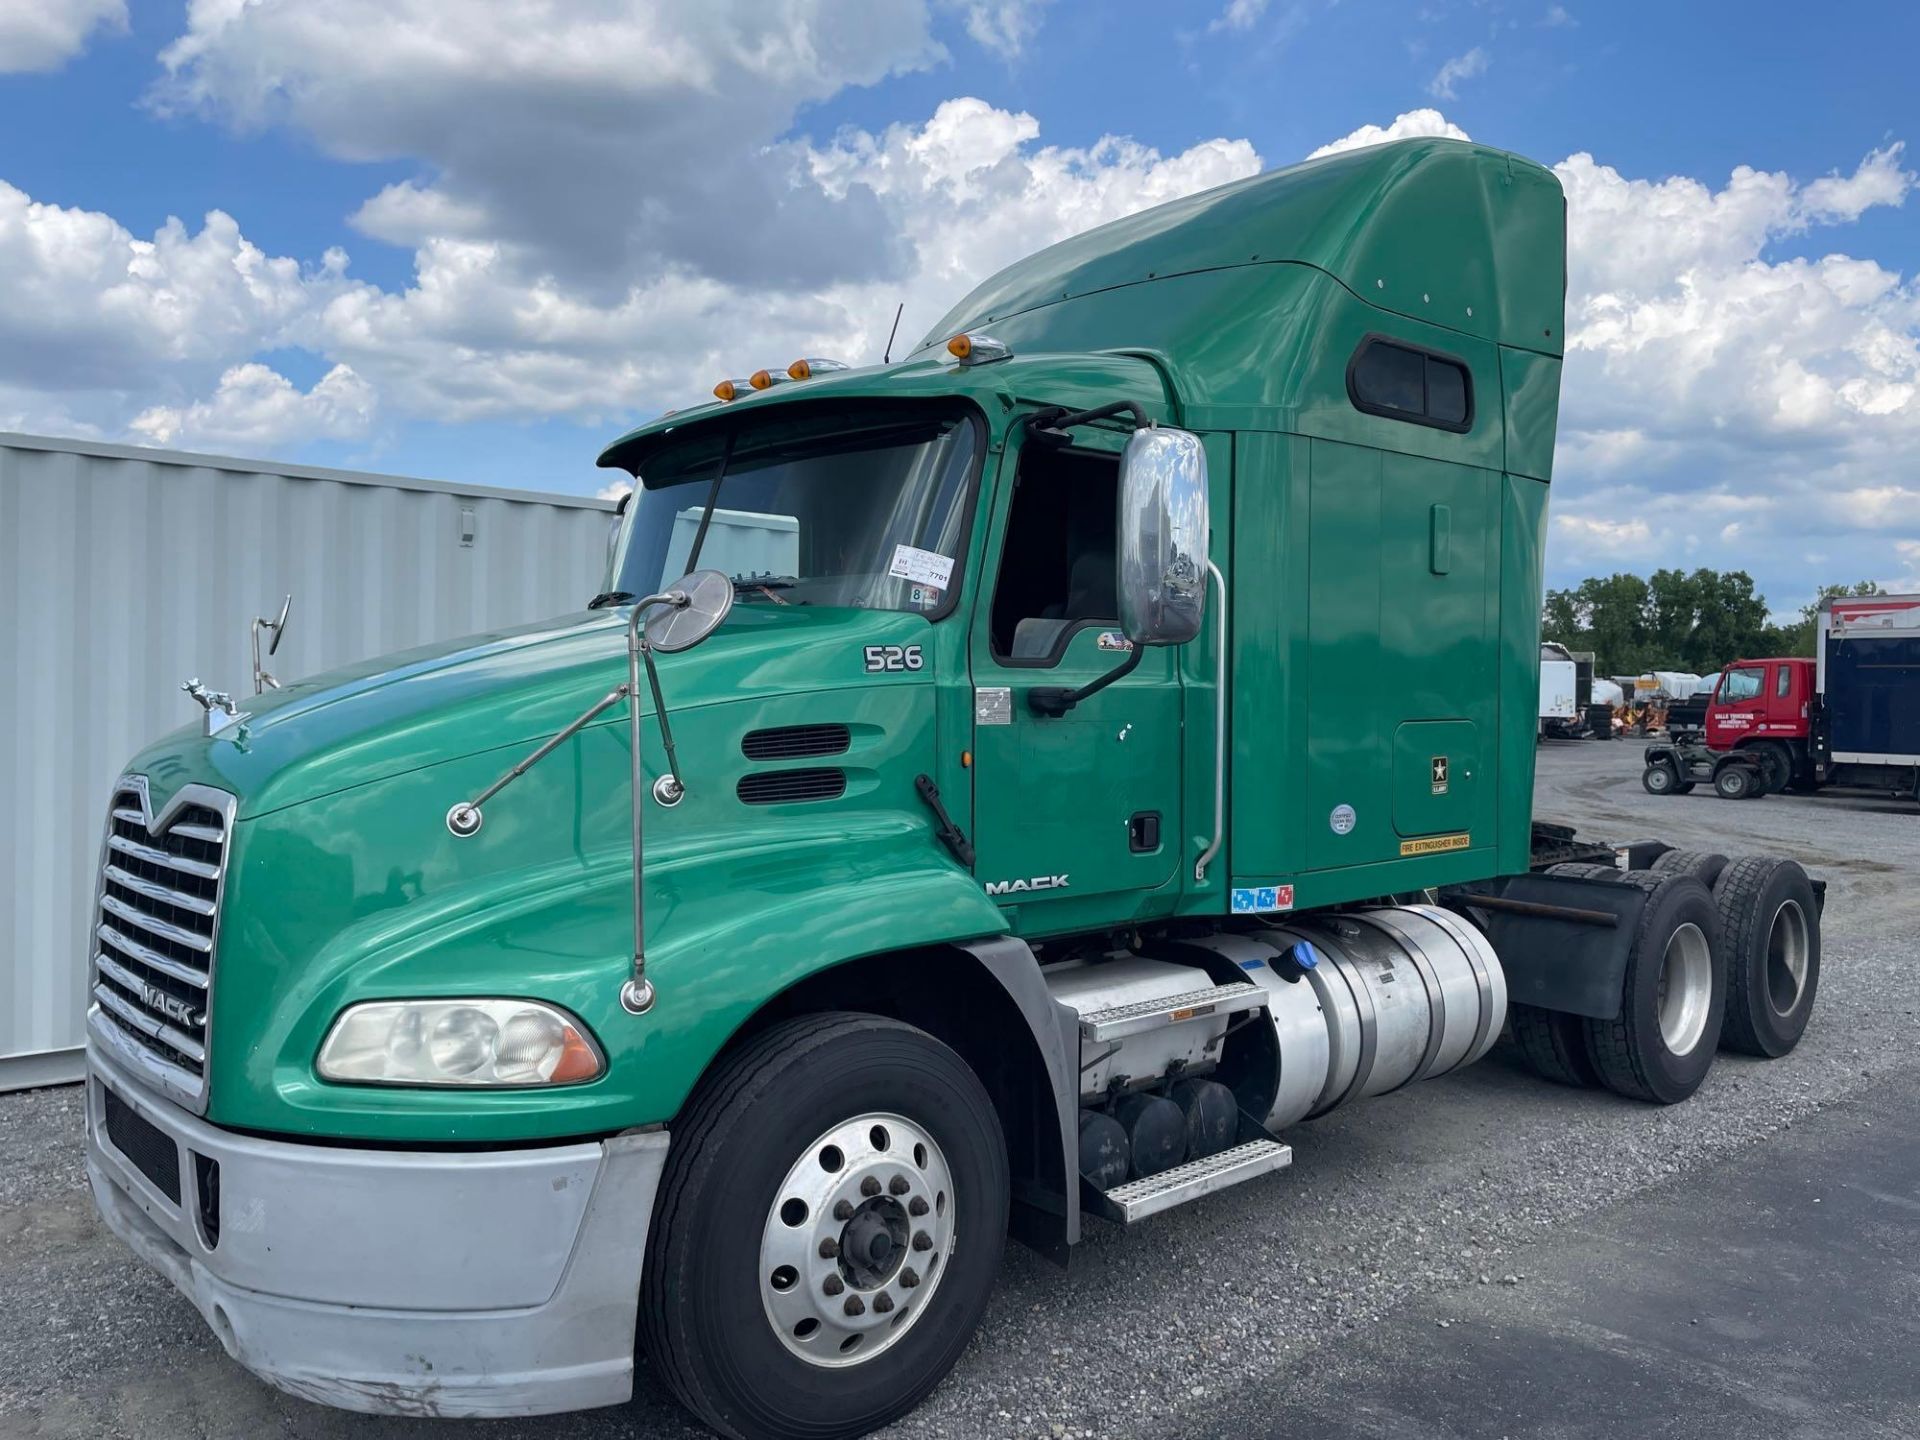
[(1725, 954)]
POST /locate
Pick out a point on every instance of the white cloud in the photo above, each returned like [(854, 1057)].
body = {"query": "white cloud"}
[(45, 34), (1239, 15), (593, 141), (87, 305), (255, 409), (1002, 26), (1557, 16), (1879, 180), (1444, 85), (1612, 536), (1409, 125)]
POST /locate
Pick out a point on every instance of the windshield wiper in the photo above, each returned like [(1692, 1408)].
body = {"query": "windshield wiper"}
[(609, 597), (764, 582)]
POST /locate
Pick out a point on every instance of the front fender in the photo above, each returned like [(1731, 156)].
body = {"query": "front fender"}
[(364, 896)]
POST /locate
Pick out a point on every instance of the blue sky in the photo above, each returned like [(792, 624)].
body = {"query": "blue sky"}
[(576, 203)]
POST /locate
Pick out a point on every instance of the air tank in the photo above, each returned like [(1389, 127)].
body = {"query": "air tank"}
[(1363, 1002)]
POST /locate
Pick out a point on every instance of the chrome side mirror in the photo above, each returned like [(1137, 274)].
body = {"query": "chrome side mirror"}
[(1163, 530), (262, 681)]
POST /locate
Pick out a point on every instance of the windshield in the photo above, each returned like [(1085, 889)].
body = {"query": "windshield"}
[(857, 507)]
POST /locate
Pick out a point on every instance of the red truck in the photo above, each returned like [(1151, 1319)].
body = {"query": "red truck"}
[(1850, 716)]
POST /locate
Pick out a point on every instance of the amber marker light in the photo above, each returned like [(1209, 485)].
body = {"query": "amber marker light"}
[(812, 365), (976, 349), (726, 390)]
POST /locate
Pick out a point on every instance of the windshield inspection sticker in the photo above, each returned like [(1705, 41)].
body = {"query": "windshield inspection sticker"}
[(923, 567)]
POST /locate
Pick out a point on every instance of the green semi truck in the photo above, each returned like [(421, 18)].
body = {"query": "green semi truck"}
[(1012, 785)]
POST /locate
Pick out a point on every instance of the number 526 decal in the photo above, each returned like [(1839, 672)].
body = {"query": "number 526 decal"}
[(892, 657)]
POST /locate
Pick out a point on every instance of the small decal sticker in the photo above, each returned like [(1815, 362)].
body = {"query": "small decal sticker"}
[(1435, 844), (993, 705), (892, 657), (924, 597), (1113, 640), (1342, 820), (1439, 774), (1262, 899), (923, 567)]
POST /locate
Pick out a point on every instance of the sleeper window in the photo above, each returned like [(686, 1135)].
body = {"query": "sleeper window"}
[(1403, 383)]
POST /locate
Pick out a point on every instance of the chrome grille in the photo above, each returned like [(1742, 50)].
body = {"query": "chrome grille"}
[(154, 933)]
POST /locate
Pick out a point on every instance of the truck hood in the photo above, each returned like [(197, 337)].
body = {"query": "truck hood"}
[(503, 690)]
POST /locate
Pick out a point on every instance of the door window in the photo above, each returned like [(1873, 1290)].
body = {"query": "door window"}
[(1058, 564), (1743, 684)]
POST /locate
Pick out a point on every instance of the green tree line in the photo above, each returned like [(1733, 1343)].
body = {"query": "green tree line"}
[(1672, 620)]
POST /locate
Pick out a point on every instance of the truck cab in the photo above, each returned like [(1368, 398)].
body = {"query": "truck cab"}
[(1764, 707)]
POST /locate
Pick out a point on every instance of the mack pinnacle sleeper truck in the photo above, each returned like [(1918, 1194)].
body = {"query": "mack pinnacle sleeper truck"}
[(994, 791)]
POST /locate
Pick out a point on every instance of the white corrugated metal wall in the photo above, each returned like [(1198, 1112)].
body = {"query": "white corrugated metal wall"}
[(124, 571)]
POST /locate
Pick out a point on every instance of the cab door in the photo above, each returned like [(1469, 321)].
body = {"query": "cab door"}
[(1738, 709), (1074, 813)]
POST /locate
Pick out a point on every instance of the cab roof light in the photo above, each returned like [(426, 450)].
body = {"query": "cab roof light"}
[(732, 389), (978, 349), (813, 365), (766, 379)]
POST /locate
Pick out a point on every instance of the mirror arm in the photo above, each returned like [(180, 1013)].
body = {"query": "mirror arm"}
[(1055, 421), (1057, 700)]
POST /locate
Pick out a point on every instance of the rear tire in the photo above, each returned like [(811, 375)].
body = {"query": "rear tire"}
[(746, 1162), (1553, 1044), (1770, 924), (1704, 865), (1661, 1044)]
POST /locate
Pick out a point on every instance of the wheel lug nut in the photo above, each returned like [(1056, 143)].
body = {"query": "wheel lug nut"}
[(922, 1240), (829, 1247), (883, 1304), (855, 1305), (870, 1187), (843, 1211), (909, 1277), (833, 1284), (917, 1205), (897, 1185)]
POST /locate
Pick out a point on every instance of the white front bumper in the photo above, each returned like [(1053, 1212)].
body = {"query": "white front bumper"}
[(397, 1282)]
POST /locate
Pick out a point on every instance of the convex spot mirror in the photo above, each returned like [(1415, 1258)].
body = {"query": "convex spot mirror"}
[(670, 628), (1163, 536)]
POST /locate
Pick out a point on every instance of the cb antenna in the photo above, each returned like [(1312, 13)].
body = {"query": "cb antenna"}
[(887, 359)]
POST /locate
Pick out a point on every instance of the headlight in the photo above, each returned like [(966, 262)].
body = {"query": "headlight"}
[(459, 1042)]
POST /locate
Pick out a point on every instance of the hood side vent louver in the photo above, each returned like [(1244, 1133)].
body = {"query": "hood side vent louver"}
[(786, 787), (795, 742)]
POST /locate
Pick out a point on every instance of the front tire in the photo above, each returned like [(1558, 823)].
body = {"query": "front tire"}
[(828, 1230), (1776, 765), (1660, 778)]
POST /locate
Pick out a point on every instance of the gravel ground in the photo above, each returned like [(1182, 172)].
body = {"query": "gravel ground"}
[(1460, 1182)]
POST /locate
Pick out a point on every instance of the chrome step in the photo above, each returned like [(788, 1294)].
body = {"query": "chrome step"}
[(1125, 1020), (1138, 1199)]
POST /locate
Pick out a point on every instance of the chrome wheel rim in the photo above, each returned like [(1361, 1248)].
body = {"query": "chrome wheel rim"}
[(1787, 953), (1686, 988), (856, 1240)]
